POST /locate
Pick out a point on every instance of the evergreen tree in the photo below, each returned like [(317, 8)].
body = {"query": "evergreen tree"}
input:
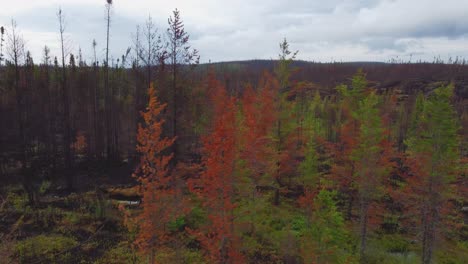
[(326, 239), (153, 174), (372, 162), (216, 185), (433, 156)]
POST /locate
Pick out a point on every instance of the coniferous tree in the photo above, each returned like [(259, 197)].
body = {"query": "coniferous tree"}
[(433, 157), (216, 185), (326, 240), (179, 54), (156, 183), (344, 166), (372, 163), (283, 73)]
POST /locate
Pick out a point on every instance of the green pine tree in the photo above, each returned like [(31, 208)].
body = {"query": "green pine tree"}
[(433, 155)]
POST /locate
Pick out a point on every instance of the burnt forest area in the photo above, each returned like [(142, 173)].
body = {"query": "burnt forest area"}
[(158, 156)]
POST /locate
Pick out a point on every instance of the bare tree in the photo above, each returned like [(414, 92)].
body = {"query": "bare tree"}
[(153, 53), (50, 113), (94, 51), (137, 47), (66, 103), (137, 95), (2, 33), (96, 144), (15, 52), (2, 39), (108, 93), (180, 53)]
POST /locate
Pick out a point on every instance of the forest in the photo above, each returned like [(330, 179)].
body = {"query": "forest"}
[(154, 157)]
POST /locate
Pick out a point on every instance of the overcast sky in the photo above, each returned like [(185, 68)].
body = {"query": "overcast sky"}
[(332, 30)]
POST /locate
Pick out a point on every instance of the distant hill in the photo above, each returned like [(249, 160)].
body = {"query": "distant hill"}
[(408, 77)]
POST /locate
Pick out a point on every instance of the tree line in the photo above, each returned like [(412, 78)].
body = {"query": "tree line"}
[(49, 106)]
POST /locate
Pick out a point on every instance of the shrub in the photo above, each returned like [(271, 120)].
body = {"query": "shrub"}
[(395, 244)]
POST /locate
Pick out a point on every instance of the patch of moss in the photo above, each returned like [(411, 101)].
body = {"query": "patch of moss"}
[(46, 248), (122, 253)]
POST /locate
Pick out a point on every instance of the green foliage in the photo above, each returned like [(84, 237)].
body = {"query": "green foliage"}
[(45, 186), (266, 228), (72, 218), (376, 255), (325, 239), (18, 200), (356, 91), (299, 224), (369, 151), (167, 255), (453, 253), (436, 129), (286, 57), (395, 244), (47, 248), (309, 168), (313, 129), (195, 218), (178, 224), (416, 114), (122, 253)]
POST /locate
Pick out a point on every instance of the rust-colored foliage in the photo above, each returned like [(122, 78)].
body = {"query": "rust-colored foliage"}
[(215, 185), (157, 185), (343, 168), (257, 143), (80, 144)]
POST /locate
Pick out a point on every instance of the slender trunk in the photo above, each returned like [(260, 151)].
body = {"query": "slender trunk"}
[(50, 116), (97, 146), (364, 209), (66, 111), (429, 222), (2, 32), (54, 118), (115, 113), (19, 99), (108, 101), (349, 209), (133, 125), (149, 61), (90, 112), (174, 120)]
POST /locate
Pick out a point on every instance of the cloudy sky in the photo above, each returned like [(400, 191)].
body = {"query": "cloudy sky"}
[(333, 30)]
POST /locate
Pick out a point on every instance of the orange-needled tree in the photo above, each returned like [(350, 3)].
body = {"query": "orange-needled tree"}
[(157, 187), (216, 184)]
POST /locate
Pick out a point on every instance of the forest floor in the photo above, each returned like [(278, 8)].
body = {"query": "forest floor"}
[(82, 226), (86, 226)]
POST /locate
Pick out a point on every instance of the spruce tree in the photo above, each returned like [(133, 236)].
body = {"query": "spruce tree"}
[(433, 154)]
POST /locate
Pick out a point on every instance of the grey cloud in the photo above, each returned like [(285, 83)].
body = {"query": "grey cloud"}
[(379, 44), (449, 29), (252, 29)]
